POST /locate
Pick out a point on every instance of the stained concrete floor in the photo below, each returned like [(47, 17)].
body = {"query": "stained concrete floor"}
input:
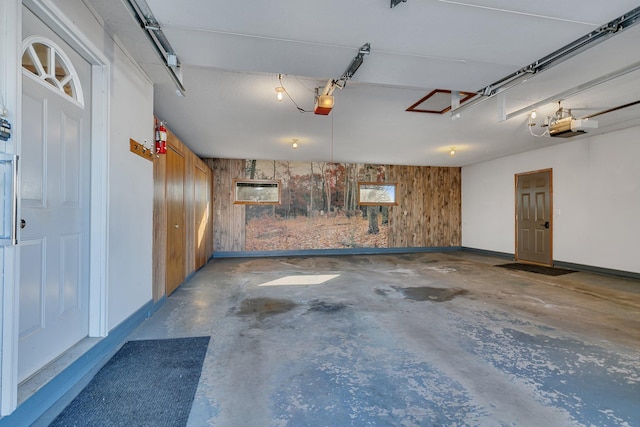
[(434, 339)]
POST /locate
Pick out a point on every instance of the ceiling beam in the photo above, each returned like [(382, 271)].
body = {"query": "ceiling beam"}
[(576, 90), (556, 57)]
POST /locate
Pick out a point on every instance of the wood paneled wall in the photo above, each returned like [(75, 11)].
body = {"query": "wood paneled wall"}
[(429, 207), (229, 230), (198, 185), (159, 227), (428, 213)]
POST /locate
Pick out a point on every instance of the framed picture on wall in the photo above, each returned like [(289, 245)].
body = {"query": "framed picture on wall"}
[(377, 194), (256, 192)]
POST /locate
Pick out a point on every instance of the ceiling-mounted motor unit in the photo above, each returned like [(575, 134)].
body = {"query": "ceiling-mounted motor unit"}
[(568, 127), (324, 100)]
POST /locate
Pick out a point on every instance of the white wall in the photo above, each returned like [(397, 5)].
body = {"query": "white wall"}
[(596, 200), (130, 193)]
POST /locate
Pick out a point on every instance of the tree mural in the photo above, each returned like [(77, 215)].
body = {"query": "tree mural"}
[(319, 207)]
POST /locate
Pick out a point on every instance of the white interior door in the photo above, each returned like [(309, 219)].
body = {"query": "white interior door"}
[(55, 205)]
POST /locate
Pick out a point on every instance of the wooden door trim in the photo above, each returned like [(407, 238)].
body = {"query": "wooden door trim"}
[(516, 176)]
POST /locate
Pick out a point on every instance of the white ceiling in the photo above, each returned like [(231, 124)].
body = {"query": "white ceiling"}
[(232, 51)]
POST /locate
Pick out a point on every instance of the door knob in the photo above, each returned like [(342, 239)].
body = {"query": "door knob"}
[(177, 226), (546, 224), (23, 223)]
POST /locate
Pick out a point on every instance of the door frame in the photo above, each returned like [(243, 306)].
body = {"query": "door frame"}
[(550, 172), (10, 48)]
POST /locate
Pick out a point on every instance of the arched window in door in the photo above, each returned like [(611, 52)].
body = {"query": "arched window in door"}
[(45, 62)]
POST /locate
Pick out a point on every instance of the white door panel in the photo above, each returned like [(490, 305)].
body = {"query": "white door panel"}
[(55, 179), (33, 165), (32, 287)]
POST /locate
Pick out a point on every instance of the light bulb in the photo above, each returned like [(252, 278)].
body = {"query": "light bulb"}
[(295, 143), (533, 114), (453, 151), (280, 93)]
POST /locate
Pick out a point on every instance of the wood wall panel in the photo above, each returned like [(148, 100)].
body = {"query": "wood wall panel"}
[(229, 218), (177, 202), (159, 227), (197, 198), (430, 196), (189, 205), (431, 199), (202, 214)]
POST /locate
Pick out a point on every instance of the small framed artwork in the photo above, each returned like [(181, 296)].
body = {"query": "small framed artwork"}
[(256, 192), (377, 194)]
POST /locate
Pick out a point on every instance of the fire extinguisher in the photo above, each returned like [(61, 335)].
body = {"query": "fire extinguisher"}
[(161, 138)]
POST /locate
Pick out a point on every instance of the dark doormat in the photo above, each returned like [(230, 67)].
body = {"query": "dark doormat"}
[(540, 269), (146, 383)]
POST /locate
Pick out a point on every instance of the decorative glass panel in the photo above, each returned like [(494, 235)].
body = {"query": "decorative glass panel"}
[(44, 61)]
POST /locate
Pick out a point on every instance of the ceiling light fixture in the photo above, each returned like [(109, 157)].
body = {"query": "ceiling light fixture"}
[(453, 151), (531, 124), (280, 95)]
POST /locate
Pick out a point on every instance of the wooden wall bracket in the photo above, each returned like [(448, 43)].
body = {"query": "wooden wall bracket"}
[(141, 150)]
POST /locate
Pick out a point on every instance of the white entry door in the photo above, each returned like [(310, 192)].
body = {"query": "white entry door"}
[(54, 189)]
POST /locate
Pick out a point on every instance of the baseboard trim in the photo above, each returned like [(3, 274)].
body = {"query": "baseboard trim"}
[(489, 253), (63, 388), (563, 264), (598, 270), (333, 252)]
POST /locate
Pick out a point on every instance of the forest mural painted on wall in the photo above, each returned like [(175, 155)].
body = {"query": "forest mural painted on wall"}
[(319, 207)]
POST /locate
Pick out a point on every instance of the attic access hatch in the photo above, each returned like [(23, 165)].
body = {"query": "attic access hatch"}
[(438, 101)]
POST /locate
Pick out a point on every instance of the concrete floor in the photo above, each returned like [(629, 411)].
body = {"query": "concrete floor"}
[(433, 339)]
